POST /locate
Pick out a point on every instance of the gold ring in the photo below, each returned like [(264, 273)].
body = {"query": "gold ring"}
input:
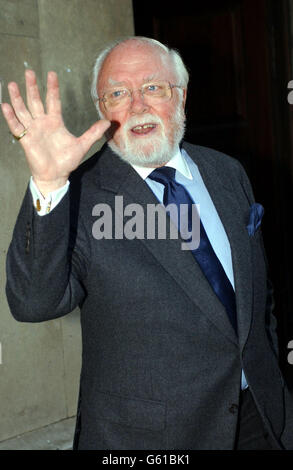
[(18, 137)]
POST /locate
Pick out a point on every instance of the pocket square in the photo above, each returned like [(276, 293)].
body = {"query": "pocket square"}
[(255, 216)]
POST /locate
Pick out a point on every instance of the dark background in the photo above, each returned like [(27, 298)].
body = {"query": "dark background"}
[(238, 53)]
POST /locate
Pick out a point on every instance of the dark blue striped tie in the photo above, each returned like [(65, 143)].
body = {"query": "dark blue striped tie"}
[(175, 193)]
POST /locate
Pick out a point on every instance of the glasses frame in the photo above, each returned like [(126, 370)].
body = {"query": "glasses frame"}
[(171, 86)]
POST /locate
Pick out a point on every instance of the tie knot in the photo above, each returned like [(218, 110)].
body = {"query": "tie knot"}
[(163, 175)]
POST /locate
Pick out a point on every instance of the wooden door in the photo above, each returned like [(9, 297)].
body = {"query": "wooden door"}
[(237, 52)]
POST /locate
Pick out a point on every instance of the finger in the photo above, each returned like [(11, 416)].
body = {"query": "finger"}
[(53, 102), (33, 98), (94, 133), (15, 127), (19, 107)]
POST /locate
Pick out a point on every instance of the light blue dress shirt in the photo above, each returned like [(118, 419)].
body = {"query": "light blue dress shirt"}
[(187, 174)]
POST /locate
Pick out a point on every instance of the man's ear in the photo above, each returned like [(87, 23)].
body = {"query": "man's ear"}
[(184, 98)]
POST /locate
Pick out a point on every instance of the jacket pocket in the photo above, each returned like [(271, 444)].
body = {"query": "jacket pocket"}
[(134, 412)]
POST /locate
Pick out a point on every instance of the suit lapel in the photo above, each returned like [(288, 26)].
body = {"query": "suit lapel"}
[(228, 208), (120, 178)]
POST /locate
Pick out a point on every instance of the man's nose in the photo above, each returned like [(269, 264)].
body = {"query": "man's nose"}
[(138, 104)]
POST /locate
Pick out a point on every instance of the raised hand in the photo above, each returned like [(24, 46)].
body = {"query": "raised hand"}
[(52, 152)]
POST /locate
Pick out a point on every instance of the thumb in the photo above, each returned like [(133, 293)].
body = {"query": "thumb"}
[(94, 133)]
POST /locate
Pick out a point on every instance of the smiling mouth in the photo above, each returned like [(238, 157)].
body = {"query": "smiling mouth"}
[(143, 129)]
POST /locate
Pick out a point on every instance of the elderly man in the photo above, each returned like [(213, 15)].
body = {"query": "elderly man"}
[(179, 346)]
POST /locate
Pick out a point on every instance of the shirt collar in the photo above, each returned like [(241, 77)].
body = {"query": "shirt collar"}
[(177, 162)]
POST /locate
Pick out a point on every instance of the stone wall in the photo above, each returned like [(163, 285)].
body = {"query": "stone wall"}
[(39, 373)]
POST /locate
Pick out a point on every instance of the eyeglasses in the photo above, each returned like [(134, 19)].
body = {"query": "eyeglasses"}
[(119, 98)]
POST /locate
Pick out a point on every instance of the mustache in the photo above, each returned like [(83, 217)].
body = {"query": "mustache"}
[(145, 119), (132, 122)]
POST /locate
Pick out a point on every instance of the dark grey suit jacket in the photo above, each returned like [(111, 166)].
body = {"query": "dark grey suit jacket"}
[(161, 364)]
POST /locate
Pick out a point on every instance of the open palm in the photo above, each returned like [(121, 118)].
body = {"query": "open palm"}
[(51, 150)]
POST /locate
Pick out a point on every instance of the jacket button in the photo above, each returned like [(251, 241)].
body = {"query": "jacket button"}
[(233, 408)]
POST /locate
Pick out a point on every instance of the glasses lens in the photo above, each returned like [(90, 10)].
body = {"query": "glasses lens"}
[(117, 98), (154, 92)]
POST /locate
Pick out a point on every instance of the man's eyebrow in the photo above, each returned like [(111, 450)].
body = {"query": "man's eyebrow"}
[(114, 82), (151, 77), (144, 80)]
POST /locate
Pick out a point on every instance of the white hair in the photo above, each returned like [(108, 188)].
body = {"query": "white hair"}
[(180, 70)]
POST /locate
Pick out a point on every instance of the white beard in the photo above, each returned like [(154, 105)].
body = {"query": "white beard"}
[(154, 150)]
